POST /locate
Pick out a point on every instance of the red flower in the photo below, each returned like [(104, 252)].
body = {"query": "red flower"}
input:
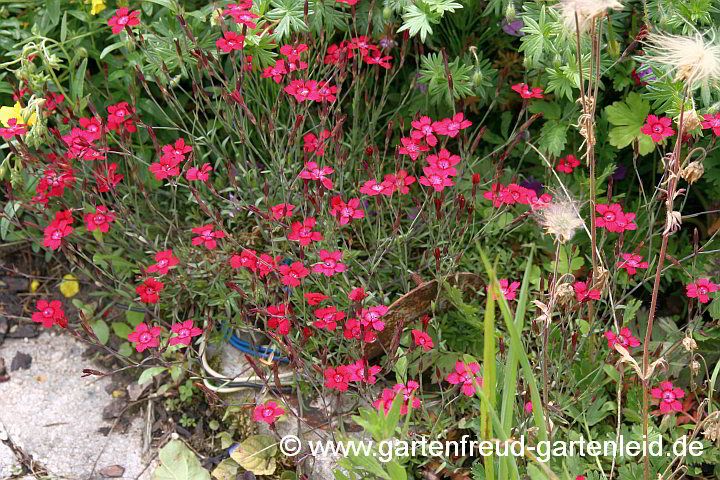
[(293, 273), (144, 336), (412, 148), (700, 290), (467, 379), (325, 92), (267, 412), (303, 232), (357, 294), (312, 172), (451, 126), (423, 340), (52, 100), (207, 236), (312, 144), (371, 318), (349, 2), (282, 210), (293, 53), (632, 262), (712, 121), (372, 188), (56, 231), (122, 18), (302, 90), (177, 148), (355, 329), (230, 41), (100, 220), (117, 114), (247, 259), (328, 318), (375, 57), (624, 339), (614, 219), (345, 212), (400, 181), (337, 378), (388, 396), (13, 129), (49, 314), (167, 167), (148, 291), (526, 92), (278, 321), (424, 131), (242, 17), (668, 397), (314, 298), (277, 72), (202, 173), (54, 183), (435, 180), (582, 293), (566, 164), (164, 260), (109, 180), (330, 263), (357, 372), (508, 289), (185, 331), (444, 163), (658, 128), (266, 264)]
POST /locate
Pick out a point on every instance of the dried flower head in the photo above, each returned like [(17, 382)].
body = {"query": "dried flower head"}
[(692, 58), (695, 367), (560, 218), (564, 293), (689, 344), (586, 10), (692, 172), (691, 120), (712, 429)]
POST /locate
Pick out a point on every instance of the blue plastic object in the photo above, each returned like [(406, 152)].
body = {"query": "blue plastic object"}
[(259, 351)]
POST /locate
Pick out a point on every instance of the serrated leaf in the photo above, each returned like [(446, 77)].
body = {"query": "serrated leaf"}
[(257, 454), (178, 462), (627, 119), (417, 21), (553, 137)]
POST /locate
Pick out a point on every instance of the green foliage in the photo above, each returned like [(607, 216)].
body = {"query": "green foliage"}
[(433, 74), (419, 16), (628, 118)]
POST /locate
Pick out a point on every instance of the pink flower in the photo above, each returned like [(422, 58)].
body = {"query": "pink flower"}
[(344, 212), (357, 372), (13, 129), (713, 122), (658, 128), (148, 291), (313, 144), (293, 273), (337, 378), (314, 298), (99, 220), (144, 336), (566, 164), (467, 379), (166, 167), (372, 188), (122, 18), (424, 131), (230, 41), (371, 318), (700, 290), (56, 231), (400, 181), (412, 148), (185, 331), (614, 219), (49, 313), (116, 117), (668, 397), (357, 294), (624, 339), (277, 72), (303, 232), (293, 53), (202, 173), (303, 90), (375, 57), (282, 210), (444, 163), (508, 289), (330, 264), (451, 126), (435, 180), (247, 259), (312, 172), (278, 321), (582, 293), (354, 328), (526, 92), (207, 236), (409, 401), (632, 262), (423, 340), (267, 412), (328, 318), (164, 260), (528, 407)]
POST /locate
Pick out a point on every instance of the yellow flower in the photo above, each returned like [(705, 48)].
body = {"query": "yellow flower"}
[(69, 286), (97, 6), (6, 113), (34, 286)]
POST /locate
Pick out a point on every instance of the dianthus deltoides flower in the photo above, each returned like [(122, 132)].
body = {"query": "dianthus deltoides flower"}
[(624, 339), (668, 397), (658, 128), (49, 313), (144, 337), (303, 232), (267, 412), (700, 290), (122, 18), (184, 332), (467, 375)]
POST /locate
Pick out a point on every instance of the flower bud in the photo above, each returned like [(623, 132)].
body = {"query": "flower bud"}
[(510, 13)]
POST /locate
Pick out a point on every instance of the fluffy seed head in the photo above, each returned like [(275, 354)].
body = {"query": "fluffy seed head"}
[(692, 58), (560, 218), (586, 10)]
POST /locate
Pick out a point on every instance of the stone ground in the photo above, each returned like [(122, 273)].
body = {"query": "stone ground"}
[(50, 412)]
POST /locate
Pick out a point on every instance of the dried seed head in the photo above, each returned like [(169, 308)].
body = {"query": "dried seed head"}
[(695, 367), (564, 293), (689, 343), (692, 58), (691, 121), (712, 429), (560, 218), (692, 172), (586, 11)]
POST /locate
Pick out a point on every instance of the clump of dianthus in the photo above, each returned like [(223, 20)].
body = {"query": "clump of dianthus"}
[(691, 58), (560, 218), (586, 11)]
